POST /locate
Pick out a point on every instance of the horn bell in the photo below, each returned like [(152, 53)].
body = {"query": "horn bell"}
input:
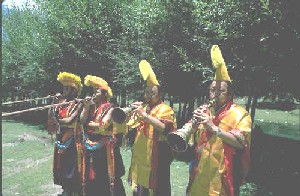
[(119, 114), (178, 140)]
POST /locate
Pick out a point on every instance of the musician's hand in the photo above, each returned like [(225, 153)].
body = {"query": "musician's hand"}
[(199, 111), (203, 115), (138, 107), (87, 101), (57, 98), (93, 125)]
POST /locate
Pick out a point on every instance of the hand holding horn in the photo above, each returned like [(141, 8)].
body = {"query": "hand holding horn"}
[(88, 101), (119, 114), (178, 139)]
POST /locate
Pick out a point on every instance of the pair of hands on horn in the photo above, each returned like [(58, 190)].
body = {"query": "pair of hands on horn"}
[(57, 97), (138, 108), (87, 101), (203, 116)]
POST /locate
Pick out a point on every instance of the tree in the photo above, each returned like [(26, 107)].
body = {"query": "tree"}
[(259, 41), (26, 44)]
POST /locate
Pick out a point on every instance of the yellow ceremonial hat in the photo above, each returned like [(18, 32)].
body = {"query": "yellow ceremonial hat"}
[(97, 82), (219, 64), (69, 79), (147, 73)]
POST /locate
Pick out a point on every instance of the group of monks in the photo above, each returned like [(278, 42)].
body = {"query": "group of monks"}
[(87, 158)]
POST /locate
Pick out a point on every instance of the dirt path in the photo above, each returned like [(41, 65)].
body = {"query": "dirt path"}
[(29, 137), (51, 189)]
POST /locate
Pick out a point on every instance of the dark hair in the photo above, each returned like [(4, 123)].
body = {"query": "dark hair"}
[(74, 91), (104, 92)]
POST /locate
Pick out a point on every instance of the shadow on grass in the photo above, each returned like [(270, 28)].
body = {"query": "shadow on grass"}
[(275, 164)]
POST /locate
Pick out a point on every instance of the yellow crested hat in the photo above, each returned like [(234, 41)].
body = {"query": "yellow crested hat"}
[(97, 82), (69, 79), (219, 64), (147, 73)]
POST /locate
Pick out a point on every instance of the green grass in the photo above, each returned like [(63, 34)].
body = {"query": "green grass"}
[(26, 159), (279, 123), (27, 163), (179, 175), (28, 181)]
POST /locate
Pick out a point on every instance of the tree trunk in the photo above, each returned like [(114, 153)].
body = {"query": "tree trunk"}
[(190, 109), (123, 98), (253, 108), (203, 100), (179, 109), (163, 98), (118, 100), (248, 103), (171, 101), (184, 111), (198, 101), (179, 117)]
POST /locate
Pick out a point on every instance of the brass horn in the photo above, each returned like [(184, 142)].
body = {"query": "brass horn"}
[(178, 140), (119, 114)]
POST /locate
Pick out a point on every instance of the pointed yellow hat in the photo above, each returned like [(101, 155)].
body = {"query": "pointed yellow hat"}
[(219, 64), (69, 79), (147, 73), (97, 82)]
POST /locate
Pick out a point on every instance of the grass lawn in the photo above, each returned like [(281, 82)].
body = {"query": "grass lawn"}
[(26, 160), (27, 156), (27, 163), (278, 123)]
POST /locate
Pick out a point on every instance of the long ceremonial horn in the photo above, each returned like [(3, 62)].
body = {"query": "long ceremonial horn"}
[(27, 100), (36, 108)]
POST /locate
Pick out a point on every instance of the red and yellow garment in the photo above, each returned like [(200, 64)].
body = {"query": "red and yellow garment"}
[(107, 132), (66, 111), (108, 129), (144, 152), (212, 173), (66, 130)]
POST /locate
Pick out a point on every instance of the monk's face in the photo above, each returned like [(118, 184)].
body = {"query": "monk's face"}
[(219, 90), (151, 95), (99, 95), (69, 92)]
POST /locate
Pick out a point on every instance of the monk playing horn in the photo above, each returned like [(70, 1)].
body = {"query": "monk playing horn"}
[(149, 172), (63, 122), (102, 165), (221, 139)]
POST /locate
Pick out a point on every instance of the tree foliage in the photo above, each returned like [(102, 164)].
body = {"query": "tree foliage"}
[(27, 47), (259, 41)]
